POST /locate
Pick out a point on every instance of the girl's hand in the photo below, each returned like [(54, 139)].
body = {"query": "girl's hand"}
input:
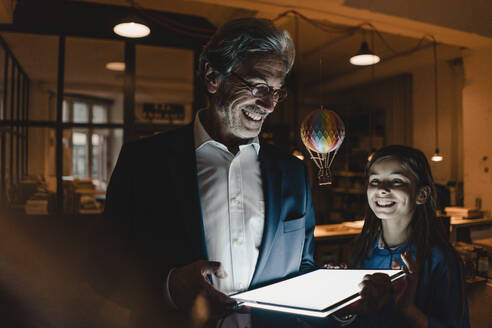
[(405, 297), (376, 292)]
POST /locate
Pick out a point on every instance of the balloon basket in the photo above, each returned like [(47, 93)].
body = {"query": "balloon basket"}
[(324, 177)]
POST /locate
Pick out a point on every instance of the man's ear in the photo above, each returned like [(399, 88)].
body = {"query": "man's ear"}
[(423, 195), (211, 78)]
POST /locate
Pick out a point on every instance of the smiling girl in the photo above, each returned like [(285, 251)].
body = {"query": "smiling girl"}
[(401, 230)]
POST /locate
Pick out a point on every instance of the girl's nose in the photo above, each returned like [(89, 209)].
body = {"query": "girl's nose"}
[(383, 188)]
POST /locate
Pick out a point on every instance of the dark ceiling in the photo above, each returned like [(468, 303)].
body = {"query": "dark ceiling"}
[(83, 19)]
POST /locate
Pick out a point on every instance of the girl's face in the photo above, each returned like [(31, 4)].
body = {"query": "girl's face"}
[(391, 191)]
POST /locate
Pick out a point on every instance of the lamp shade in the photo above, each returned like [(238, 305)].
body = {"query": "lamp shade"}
[(131, 30), (437, 157), (364, 56)]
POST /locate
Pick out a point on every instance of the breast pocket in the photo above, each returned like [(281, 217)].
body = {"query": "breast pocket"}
[(295, 224)]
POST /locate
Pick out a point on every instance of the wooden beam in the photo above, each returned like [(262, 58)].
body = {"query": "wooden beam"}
[(336, 12), (7, 11)]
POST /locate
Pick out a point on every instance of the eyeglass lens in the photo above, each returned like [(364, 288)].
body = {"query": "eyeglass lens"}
[(262, 91)]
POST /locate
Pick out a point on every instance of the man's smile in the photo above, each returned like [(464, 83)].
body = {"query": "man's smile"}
[(253, 116)]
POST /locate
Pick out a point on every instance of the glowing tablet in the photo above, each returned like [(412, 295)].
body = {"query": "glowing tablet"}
[(318, 293)]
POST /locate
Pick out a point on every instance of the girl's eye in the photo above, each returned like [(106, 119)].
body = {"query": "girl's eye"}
[(397, 181), (374, 182)]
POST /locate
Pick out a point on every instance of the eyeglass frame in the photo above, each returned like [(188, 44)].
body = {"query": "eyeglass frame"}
[(252, 86)]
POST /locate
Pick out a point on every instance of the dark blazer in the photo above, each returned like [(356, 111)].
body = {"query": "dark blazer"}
[(154, 202)]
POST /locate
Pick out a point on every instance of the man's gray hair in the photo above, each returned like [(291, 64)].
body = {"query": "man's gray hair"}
[(238, 38)]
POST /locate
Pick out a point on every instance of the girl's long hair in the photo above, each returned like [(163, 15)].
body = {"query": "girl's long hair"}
[(426, 229)]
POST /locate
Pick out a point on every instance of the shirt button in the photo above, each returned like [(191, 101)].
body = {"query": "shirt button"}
[(241, 285), (235, 201)]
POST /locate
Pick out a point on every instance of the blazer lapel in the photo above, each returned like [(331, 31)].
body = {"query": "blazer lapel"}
[(186, 183), (272, 187)]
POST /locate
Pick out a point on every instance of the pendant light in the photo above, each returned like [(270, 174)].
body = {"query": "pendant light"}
[(131, 30), (437, 157), (364, 56), (372, 131)]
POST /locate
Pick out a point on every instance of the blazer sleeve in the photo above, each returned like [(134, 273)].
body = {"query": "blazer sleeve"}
[(119, 210), (307, 262), (112, 266)]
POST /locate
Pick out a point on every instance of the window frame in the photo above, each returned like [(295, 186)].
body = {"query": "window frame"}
[(68, 105)]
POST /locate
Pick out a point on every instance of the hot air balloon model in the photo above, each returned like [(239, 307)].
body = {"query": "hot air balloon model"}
[(322, 132)]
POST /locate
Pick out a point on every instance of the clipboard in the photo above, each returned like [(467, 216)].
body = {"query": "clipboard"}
[(318, 293)]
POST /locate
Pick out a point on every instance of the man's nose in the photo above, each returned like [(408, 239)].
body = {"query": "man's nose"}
[(267, 103)]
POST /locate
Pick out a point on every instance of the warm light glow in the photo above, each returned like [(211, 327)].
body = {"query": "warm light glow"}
[(436, 157), (364, 60), (131, 30), (298, 154), (364, 56), (116, 66), (318, 293)]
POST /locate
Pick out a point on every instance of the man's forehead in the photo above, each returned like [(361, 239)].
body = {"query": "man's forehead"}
[(263, 66)]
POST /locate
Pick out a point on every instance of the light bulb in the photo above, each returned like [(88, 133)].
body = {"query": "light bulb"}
[(436, 157), (131, 30)]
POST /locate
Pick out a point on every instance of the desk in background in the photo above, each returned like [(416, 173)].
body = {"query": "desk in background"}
[(335, 239), (332, 236), (460, 228)]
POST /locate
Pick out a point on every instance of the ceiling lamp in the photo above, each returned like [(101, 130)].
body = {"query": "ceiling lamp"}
[(436, 157), (364, 56), (115, 66), (131, 30)]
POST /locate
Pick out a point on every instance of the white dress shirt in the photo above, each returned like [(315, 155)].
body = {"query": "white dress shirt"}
[(232, 203), (233, 211)]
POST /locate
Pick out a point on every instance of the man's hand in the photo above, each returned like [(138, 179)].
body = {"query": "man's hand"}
[(192, 291)]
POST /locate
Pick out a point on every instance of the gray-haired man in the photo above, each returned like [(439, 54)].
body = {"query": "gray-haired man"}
[(213, 210)]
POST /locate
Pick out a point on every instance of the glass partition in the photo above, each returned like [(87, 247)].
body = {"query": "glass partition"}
[(164, 88), (95, 84), (38, 56)]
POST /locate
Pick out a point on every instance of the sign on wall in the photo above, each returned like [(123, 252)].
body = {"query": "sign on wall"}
[(168, 113)]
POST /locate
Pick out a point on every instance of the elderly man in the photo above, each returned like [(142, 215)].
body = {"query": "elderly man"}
[(210, 208)]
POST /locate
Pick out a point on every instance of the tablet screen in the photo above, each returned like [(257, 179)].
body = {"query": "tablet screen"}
[(318, 293)]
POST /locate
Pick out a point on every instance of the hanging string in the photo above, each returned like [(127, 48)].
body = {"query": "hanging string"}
[(205, 33), (321, 102), (435, 95), (299, 87), (371, 97), (327, 27), (173, 25)]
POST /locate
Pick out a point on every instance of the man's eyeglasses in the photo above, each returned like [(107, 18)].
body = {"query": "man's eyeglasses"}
[(262, 90)]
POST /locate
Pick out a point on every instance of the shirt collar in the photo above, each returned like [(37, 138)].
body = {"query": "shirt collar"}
[(202, 137), (379, 244)]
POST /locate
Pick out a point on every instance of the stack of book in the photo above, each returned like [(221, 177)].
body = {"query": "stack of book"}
[(463, 212)]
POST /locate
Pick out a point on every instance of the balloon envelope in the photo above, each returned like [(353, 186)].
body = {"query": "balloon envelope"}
[(322, 131)]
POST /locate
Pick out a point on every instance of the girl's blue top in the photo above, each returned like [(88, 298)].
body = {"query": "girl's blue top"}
[(439, 290)]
